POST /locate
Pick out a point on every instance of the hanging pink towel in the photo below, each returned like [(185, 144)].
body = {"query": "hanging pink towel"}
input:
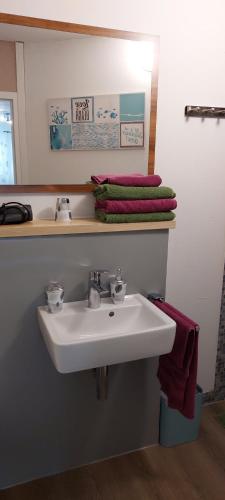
[(177, 370), (136, 206), (128, 180)]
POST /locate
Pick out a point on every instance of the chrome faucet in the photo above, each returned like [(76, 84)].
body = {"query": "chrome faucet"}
[(97, 288)]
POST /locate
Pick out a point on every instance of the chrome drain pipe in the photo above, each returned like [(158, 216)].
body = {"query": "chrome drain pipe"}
[(102, 382)]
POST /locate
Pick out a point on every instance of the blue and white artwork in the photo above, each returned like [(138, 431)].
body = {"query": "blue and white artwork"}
[(88, 136), (132, 107), (60, 137), (59, 111), (114, 121), (107, 109)]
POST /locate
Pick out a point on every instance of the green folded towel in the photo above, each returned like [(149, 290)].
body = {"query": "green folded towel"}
[(114, 192), (141, 217)]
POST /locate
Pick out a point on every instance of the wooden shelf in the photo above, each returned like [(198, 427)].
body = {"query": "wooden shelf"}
[(77, 226)]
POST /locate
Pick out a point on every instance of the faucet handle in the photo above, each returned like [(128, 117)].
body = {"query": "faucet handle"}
[(99, 277)]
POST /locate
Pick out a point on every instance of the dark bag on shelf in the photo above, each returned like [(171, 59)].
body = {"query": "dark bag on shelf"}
[(15, 213)]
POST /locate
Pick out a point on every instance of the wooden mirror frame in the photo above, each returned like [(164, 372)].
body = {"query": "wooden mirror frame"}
[(95, 31)]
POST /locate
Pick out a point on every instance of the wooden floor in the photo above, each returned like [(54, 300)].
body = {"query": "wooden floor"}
[(194, 471)]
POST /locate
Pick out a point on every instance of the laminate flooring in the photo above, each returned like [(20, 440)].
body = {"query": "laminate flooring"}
[(194, 471)]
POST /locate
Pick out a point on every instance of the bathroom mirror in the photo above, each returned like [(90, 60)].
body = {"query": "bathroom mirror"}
[(55, 61)]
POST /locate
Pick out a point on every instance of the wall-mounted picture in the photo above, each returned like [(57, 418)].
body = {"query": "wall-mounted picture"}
[(113, 121), (59, 112), (131, 135), (89, 136), (107, 109), (60, 137), (82, 109), (132, 107)]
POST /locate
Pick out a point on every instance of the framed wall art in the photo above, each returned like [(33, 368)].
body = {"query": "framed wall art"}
[(97, 122)]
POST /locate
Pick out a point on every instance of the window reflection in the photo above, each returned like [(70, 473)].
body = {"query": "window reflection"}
[(7, 168)]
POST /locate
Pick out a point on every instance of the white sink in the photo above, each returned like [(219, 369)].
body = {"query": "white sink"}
[(79, 338)]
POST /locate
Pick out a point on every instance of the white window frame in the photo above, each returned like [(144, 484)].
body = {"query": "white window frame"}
[(21, 102), (12, 96)]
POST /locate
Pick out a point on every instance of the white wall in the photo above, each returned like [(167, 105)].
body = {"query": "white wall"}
[(189, 155), (144, 17), (43, 205), (79, 67)]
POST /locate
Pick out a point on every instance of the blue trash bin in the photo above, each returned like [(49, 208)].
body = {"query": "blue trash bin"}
[(176, 429)]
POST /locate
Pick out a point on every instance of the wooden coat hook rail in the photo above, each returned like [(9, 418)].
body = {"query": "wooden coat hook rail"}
[(204, 111)]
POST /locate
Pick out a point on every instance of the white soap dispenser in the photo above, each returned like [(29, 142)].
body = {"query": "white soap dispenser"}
[(55, 294), (118, 287)]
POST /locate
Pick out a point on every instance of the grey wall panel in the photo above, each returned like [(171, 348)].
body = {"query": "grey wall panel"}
[(50, 422)]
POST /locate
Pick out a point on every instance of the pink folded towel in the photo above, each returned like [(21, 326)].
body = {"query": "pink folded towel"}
[(128, 180), (136, 206), (177, 371)]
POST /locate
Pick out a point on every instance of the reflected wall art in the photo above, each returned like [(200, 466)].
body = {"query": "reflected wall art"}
[(97, 122)]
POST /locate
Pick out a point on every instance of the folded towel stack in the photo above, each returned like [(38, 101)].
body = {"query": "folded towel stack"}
[(133, 198)]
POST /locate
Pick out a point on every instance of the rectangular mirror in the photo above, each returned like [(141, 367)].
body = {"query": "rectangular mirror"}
[(53, 69)]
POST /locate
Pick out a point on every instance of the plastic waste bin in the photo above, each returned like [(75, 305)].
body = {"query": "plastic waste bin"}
[(176, 429)]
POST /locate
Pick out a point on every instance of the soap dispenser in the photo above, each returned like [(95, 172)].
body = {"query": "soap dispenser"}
[(63, 212), (55, 294), (118, 287)]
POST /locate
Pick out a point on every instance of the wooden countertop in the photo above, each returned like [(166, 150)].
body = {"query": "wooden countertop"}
[(77, 226)]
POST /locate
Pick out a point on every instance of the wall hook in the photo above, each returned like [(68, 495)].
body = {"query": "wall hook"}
[(204, 111)]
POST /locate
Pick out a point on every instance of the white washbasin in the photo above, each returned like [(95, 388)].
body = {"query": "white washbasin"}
[(80, 338)]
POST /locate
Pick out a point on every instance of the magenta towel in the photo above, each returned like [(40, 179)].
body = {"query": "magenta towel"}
[(177, 370), (136, 206), (128, 180)]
